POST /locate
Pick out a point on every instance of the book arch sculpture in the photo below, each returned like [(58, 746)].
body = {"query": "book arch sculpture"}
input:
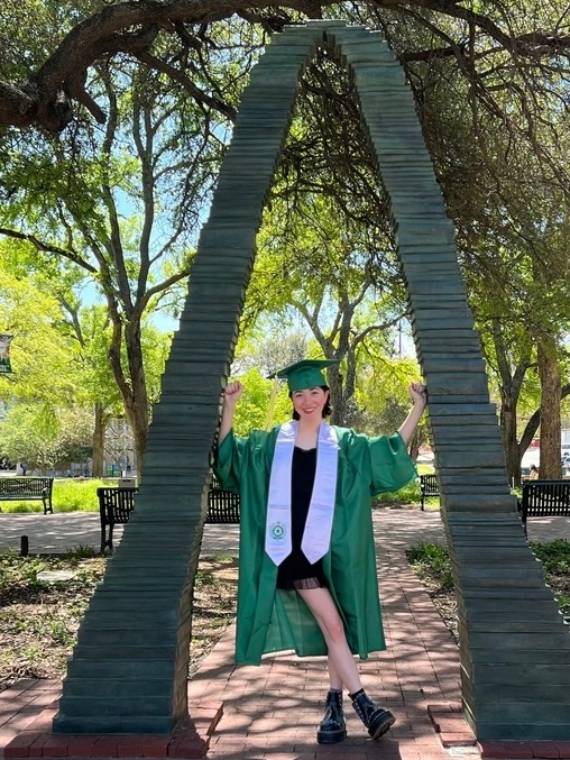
[(129, 668)]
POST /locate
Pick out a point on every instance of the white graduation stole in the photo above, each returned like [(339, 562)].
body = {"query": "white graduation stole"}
[(318, 528)]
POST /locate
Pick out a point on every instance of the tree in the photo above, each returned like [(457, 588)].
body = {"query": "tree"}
[(499, 140), (326, 249), (509, 64), (314, 267), (265, 403), (382, 394), (527, 38), (42, 356), (60, 348), (84, 208), (45, 439)]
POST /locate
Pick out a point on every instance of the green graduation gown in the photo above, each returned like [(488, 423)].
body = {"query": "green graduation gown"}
[(271, 619)]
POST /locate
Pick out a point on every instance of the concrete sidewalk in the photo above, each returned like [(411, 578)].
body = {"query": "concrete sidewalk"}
[(405, 526), (58, 533)]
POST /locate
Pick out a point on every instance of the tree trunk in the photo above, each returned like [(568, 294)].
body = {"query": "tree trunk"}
[(99, 441), (139, 426), (511, 377), (137, 410), (133, 390), (137, 414), (415, 444), (337, 398), (550, 428), (508, 422)]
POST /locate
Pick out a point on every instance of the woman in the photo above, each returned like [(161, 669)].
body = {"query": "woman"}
[(307, 562)]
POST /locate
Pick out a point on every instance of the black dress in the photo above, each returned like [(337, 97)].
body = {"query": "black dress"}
[(296, 571)]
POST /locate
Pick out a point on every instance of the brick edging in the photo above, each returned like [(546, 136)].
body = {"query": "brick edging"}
[(189, 740)]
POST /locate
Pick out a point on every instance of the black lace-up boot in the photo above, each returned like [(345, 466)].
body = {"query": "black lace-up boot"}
[(376, 719), (332, 728)]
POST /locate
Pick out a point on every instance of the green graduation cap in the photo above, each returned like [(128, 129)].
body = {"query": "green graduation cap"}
[(305, 374)]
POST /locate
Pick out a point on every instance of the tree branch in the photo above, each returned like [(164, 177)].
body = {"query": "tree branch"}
[(164, 285), (47, 98), (40, 245), (380, 328), (534, 422), (190, 87)]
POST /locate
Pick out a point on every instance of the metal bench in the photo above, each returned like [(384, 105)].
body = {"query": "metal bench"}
[(116, 505), (28, 489), (544, 498), (223, 506), (428, 487)]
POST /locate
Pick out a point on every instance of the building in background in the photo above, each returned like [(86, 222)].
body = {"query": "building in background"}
[(119, 459)]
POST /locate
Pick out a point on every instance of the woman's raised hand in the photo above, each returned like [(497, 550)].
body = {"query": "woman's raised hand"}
[(233, 393), (418, 394)]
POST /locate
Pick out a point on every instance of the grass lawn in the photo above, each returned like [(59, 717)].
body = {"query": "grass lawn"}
[(69, 495), (433, 566), (78, 495), (410, 493), (39, 620)]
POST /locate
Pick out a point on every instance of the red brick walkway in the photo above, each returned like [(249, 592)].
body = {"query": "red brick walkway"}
[(272, 711)]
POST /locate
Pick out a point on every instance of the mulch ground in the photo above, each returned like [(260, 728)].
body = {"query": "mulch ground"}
[(39, 619), (555, 557)]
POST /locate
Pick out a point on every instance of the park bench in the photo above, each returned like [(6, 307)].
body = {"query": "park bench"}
[(544, 498), (116, 505), (28, 489), (428, 487), (223, 506)]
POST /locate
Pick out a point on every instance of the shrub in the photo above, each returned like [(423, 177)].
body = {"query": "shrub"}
[(432, 561)]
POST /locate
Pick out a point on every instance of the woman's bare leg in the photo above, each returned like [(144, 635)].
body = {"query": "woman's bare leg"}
[(342, 667), (335, 679)]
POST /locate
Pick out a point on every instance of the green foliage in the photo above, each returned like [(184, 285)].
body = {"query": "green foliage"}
[(35, 435), (268, 346), (264, 403), (19, 575), (409, 494), (40, 353), (14, 571), (156, 348), (76, 495), (383, 390), (60, 360), (432, 562), (555, 556)]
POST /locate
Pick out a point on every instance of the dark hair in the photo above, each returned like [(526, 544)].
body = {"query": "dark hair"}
[(327, 408)]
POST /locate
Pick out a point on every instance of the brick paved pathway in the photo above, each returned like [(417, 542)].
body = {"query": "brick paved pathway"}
[(272, 711)]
